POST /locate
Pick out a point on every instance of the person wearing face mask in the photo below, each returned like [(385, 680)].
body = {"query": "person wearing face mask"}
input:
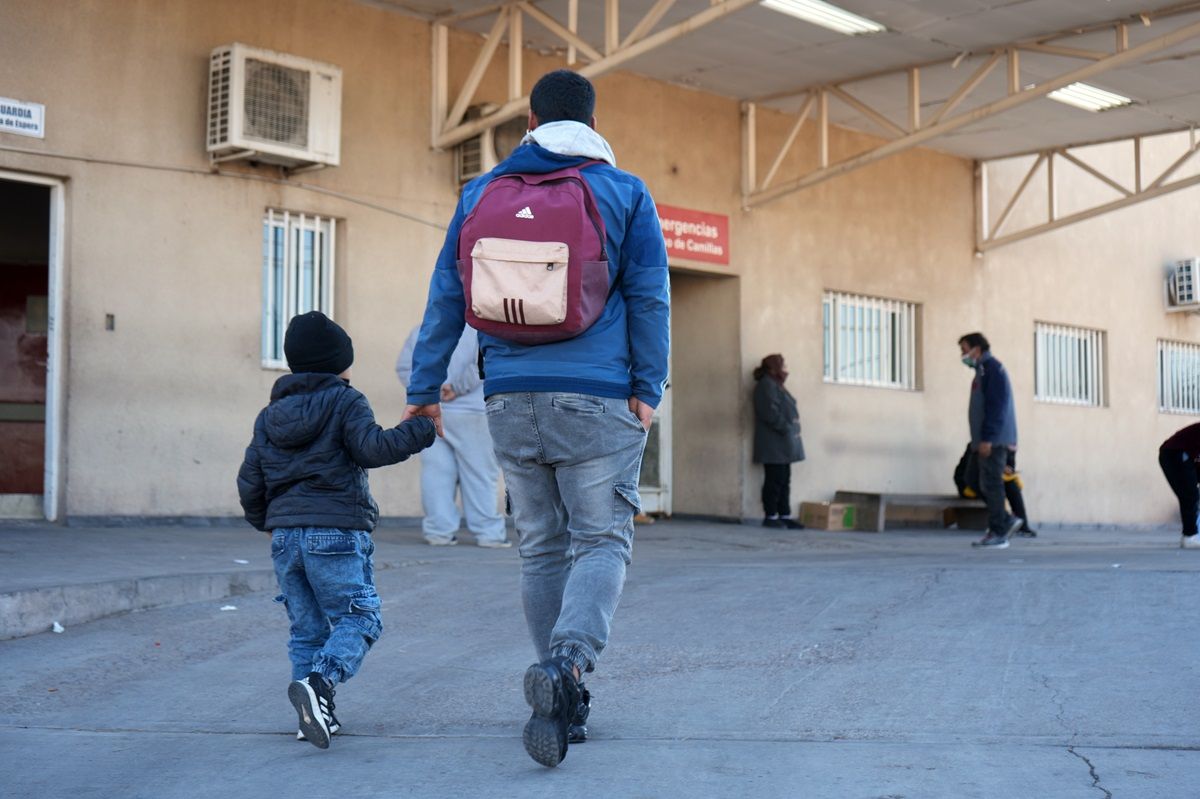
[(993, 423), (777, 442)]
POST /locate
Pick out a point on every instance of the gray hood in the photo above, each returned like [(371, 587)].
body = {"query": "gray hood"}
[(571, 138)]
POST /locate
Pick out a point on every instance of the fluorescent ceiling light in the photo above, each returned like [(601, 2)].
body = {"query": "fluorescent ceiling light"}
[(1089, 98), (826, 15)]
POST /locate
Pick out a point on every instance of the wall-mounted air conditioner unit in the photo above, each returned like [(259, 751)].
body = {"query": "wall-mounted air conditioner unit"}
[(1183, 287), (480, 154), (272, 107)]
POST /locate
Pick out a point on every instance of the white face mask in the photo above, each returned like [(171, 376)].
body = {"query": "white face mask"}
[(969, 361)]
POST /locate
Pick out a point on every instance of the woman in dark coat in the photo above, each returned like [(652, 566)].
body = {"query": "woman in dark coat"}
[(777, 443)]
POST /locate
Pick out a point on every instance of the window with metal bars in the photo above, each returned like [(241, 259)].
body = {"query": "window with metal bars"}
[(1069, 365), (297, 275), (870, 341), (1178, 377)]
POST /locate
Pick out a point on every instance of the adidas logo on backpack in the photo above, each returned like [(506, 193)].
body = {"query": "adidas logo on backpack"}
[(525, 213)]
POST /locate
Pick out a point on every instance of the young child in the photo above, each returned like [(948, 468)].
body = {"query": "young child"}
[(304, 482)]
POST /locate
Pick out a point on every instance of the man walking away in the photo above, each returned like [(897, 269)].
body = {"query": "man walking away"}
[(564, 273), (993, 422)]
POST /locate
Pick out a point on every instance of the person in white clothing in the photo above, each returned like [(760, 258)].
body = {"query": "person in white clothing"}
[(463, 460)]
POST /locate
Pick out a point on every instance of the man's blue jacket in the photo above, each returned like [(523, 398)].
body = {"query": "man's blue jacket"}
[(991, 413), (624, 354)]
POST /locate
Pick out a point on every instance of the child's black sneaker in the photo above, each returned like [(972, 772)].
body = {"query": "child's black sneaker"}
[(335, 727), (313, 699), (577, 732), (553, 693)]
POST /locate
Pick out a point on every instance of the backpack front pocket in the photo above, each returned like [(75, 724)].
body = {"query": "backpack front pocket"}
[(519, 282)]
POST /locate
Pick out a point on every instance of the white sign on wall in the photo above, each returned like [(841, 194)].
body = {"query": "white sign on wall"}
[(21, 118)]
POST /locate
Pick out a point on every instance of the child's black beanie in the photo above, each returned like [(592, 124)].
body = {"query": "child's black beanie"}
[(316, 343)]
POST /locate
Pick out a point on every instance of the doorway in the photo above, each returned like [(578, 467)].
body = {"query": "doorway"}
[(692, 463), (654, 483), (30, 270)]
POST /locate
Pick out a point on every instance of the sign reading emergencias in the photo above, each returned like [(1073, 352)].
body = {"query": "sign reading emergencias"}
[(24, 119), (695, 235)]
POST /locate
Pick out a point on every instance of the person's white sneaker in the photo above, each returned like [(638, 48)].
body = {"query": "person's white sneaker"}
[(442, 542), (1189, 542), (494, 543)]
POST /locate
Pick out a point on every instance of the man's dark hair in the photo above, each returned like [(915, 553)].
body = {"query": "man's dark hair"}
[(563, 95), (976, 340)]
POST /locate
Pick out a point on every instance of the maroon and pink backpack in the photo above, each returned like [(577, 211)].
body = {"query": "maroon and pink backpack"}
[(531, 257)]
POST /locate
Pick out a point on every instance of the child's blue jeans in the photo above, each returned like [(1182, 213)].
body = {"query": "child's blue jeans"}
[(328, 587)]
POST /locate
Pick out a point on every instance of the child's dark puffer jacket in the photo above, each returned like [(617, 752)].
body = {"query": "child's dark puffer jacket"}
[(305, 466)]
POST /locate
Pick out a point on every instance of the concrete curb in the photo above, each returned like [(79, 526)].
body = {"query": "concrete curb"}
[(35, 610)]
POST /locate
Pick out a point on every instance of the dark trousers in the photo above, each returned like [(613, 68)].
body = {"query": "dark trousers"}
[(991, 487), (776, 490), (1180, 470), (1016, 501), (1013, 491)]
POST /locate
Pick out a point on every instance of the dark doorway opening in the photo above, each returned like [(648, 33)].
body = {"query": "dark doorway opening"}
[(24, 334)]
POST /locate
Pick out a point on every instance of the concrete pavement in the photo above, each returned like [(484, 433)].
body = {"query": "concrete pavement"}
[(744, 662)]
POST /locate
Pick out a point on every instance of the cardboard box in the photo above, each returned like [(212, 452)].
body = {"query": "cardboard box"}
[(828, 515)]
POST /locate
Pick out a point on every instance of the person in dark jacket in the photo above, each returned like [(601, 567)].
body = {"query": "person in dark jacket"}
[(993, 423), (1178, 458), (303, 481), (777, 442)]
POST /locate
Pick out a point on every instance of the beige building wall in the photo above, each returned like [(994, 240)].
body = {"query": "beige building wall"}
[(160, 408), (1097, 465), (901, 230)]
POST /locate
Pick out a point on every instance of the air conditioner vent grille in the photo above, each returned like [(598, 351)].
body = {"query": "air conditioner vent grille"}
[(470, 159), (1185, 283), (218, 97), (276, 103)]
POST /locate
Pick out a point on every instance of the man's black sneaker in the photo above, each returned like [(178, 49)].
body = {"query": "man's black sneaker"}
[(776, 522), (577, 732), (790, 523), (1027, 532), (552, 691), (313, 699)]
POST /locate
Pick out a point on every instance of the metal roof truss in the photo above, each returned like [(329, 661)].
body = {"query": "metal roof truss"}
[(915, 132), (448, 127), (1125, 175)]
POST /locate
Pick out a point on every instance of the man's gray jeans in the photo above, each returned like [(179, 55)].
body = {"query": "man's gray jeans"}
[(571, 464)]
